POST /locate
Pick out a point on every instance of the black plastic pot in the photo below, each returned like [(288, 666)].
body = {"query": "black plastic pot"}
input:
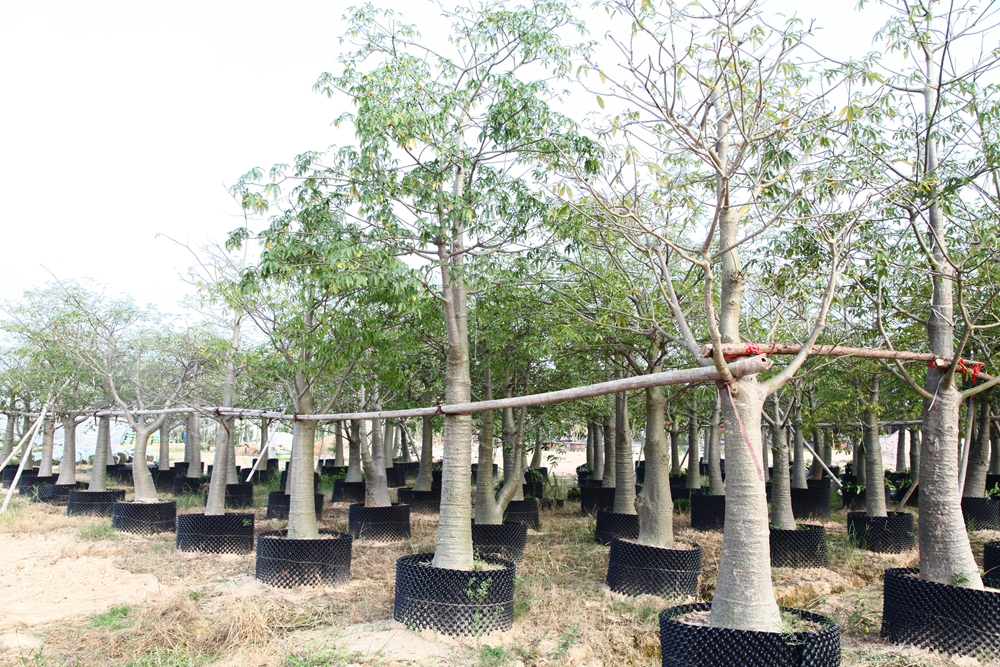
[(349, 492), (824, 483), (991, 564), (640, 472), (593, 498), (379, 524), (529, 474), (708, 512), (891, 534), (939, 617), (684, 645), (533, 489), (181, 466), (395, 477), (278, 503), (811, 504), (182, 485), (287, 563), (804, 547), (420, 502), (475, 470), (638, 569), (57, 494), (238, 496), (29, 483), (981, 513), (523, 512), (164, 480), (7, 475), (92, 503), (855, 501), (506, 540), (612, 524), (144, 518), (454, 602), (222, 534)]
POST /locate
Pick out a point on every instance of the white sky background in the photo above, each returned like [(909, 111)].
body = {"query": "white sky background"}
[(121, 120)]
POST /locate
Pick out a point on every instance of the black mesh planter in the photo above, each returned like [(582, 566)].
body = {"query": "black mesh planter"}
[(395, 477), (892, 534), (804, 547), (533, 490), (638, 569), (181, 466), (7, 475), (144, 518), (420, 502), (454, 602), (183, 485), (991, 564), (503, 541), (28, 484), (222, 534), (981, 513), (939, 617), (612, 524), (349, 492), (164, 480), (287, 563), (811, 503), (686, 645), (238, 496), (92, 503), (593, 498), (708, 512), (523, 512), (57, 494), (854, 501), (278, 503), (380, 524)]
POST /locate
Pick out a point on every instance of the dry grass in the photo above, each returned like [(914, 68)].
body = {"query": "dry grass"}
[(564, 614)]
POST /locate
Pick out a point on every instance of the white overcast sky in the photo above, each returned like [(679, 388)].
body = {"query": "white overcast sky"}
[(122, 120)]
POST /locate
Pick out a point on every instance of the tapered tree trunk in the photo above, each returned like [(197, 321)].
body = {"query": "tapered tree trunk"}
[(624, 465), (975, 476), (192, 445), (716, 487), (67, 467), (799, 464), (99, 471), (48, 440), (608, 478), (782, 516), (215, 505), (142, 479), (901, 449), (599, 453), (338, 447), (425, 474), (693, 469), (355, 441), (376, 490), (302, 523), (536, 453), (654, 504)]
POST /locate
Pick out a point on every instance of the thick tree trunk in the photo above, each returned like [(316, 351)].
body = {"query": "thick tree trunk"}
[(425, 474), (99, 471), (781, 488), (48, 440), (376, 489), (599, 453), (192, 445), (67, 467), (216, 503), (799, 464), (901, 449), (624, 464), (389, 443), (302, 523), (142, 479), (693, 469), (655, 505), (608, 478), (744, 595), (716, 487), (338, 447), (975, 476), (355, 440)]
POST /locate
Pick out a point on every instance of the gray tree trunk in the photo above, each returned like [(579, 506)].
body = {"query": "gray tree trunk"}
[(163, 460), (716, 486), (994, 449), (799, 464), (265, 449), (425, 474), (376, 489), (693, 469), (599, 454), (860, 461), (765, 456), (355, 438), (404, 443), (901, 449), (142, 479), (874, 479), (389, 443), (513, 458), (192, 445), (655, 504), (675, 454), (590, 445), (781, 488), (67, 466), (608, 478), (48, 440), (99, 471), (624, 464), (536, 453), (215, 505), (975, 476), (8, 435), (819, 444), (302, 524), (338, 446)]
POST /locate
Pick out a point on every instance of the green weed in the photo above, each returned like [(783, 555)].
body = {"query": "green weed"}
[(325, 657), (175, 657), (98, 531), (492, 656), (115, 618)]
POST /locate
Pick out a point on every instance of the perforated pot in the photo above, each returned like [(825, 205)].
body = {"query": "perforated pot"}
[(804, 547), (420, 502), (278, 503), (238, 496), (523, 512), (57, 494), (684, 645), (348, 492), (593, 498), (164, 480), (182, 485), (639, 569), (380, 524), (991, 564), (811, 503), (29, 483), (506, 540), (287, 563), (454, 602), (890, 534), (981, 513), (222, 534), (939, 617), (533, 490), (708, 512), (92, 503), (144, 518), (613, 524)]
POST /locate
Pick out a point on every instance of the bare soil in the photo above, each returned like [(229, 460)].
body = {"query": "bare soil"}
[(75, 592)]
